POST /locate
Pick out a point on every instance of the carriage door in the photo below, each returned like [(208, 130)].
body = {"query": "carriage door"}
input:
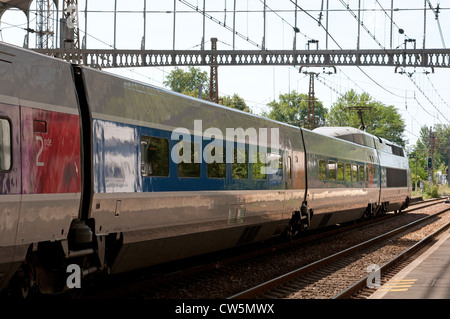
[(10, 183)]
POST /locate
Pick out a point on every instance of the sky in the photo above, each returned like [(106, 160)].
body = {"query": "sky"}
[(422, 97)]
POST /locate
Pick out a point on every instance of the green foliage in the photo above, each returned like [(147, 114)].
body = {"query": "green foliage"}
[(422, 147), (383, 121), (235, 102), (187, 82), (292, 108), (431, 191), (422, 175)]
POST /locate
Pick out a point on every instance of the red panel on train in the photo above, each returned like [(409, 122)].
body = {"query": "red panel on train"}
[(50, 152)]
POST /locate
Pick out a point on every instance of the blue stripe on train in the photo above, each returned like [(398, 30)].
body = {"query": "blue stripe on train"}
[(117, 165)]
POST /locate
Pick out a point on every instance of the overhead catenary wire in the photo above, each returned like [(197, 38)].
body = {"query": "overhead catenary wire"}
[(278, 13), (374, 38), (378, 84)]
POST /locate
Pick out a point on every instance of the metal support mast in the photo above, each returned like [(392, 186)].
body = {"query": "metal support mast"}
[(213, 78), (448, 162), (432, 144), (45, 24), (311, 103)]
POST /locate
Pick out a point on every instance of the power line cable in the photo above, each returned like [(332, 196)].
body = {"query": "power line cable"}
[(355, 16)]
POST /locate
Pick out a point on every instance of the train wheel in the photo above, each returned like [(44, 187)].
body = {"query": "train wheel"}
[(24, 285), (291, 232), (368, 213)]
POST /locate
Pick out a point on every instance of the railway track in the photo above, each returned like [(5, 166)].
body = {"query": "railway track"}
[(347, 273), (220, 276)]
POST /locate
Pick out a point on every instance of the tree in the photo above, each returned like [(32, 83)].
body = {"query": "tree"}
[(440, 154), (235, 102), (421, 149), (292, 108), (417, 156), (188, 82), (383, 121)]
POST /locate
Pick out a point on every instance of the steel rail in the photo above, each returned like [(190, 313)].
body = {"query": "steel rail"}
[(231, 258), (358, 286), (252, 292)]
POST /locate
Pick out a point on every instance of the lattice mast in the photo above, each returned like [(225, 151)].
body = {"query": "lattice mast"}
[(214, 76), (45, 26), (311, 103)]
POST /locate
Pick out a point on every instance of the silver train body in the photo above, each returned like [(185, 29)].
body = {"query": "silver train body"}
[(88, 174)]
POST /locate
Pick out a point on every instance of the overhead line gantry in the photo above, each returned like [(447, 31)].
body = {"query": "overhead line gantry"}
[(110, 58)]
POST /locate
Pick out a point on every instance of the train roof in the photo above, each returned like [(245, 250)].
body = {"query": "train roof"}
[(362, 138), (349, 134), (106, 89), (39, 81)]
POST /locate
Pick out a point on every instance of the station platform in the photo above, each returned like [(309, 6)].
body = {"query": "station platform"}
[(427, 277)]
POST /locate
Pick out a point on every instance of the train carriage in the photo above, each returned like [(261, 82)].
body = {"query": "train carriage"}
[(342, 183), (194, 204), (40, 180), (386, 167), (112, 175), (395, 176)]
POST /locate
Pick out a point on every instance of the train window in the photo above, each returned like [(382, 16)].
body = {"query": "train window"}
[(396, 177), (369, 172), (340, 173), (154, 156), (322, 170), (396, 150), (189, 167), (272, 160), (355, 173), (215, 159), (361, 173), (239, 167), (5, 145), (348, 172), (259, 165), (280, 165), (332, 170), (376, 175)]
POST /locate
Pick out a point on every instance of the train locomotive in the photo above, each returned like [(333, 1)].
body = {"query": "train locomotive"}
[(90, 174)]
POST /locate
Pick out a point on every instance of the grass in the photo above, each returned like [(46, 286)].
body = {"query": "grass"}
[(444, 189), (432, 192)]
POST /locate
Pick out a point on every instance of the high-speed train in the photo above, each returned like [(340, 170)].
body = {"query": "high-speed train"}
[(113, 175)]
